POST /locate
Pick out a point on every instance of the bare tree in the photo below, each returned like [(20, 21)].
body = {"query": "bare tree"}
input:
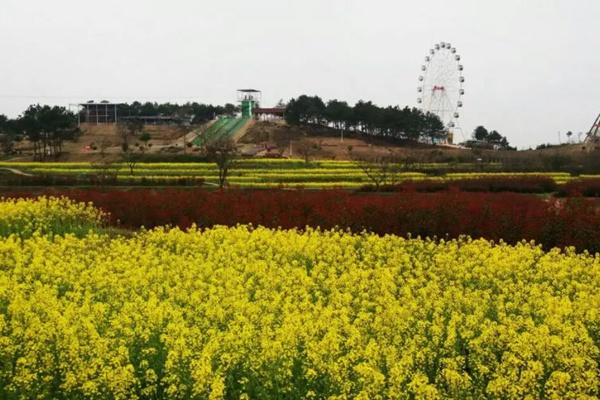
[(308, 149), (105, 170), (105, 144), (282, 140), (131, 155), (126, 130), (223, 153), (380, 169)]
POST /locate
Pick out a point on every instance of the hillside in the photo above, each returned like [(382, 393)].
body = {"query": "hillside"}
[(280, 140)]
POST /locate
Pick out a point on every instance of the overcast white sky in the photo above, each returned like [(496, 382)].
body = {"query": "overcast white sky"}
[(532, 67)]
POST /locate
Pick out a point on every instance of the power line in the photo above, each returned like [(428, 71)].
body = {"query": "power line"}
[(10, 96)]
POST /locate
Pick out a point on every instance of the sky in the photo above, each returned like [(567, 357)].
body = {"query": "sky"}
[(532, 67)]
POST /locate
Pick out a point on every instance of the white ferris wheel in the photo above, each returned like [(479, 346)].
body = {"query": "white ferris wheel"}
[(441, 83)]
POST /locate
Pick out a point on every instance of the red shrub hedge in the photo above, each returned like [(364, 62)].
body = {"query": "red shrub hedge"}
[(583, 187), (526, 184), (508, 216)]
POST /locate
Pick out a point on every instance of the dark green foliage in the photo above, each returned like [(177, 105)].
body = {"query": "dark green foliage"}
[(47, 127), (9, 134), (339, 113), (305, 110), (491, 139), (480, 133), (366, 119), (145, 137), (196, 113), (6, 137)]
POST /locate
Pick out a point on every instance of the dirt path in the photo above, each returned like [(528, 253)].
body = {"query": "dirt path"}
[(190, 136), (243, 130), (15, 171)]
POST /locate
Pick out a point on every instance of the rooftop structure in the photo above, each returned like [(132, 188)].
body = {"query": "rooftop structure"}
[(272, 113), (103, 112)]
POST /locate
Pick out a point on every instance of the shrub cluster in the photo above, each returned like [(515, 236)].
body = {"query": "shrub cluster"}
[(526, 184), (584, 187), (495, 216)]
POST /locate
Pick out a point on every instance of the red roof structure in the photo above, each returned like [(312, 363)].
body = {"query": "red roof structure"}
[(269, 111)]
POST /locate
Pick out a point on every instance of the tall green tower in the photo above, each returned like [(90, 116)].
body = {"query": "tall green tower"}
[(249, 100)]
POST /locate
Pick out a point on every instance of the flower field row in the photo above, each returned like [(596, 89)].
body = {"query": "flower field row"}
[(257, 163), (52, 215), (244, 313), (258, 173), (494, 216)]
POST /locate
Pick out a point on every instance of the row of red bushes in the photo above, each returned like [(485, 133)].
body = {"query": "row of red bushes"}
[(527, 184), (586, 188), (508, 216)]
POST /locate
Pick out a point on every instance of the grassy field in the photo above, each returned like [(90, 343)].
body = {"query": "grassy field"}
[(270, 173)]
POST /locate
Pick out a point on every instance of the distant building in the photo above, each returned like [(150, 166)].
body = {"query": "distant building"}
[(250, 100), (269, 114), (98, 113), (109, 113)]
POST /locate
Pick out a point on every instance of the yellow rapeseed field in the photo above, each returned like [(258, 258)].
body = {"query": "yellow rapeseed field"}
[(253, 313), (263, 173), (47, 215)]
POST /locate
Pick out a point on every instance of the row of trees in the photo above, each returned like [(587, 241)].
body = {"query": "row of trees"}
[(489, 138), (196, 112), (46, 127), (8, 134), (366, 118)]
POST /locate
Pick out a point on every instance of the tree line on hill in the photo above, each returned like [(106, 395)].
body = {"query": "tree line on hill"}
[(196, 113), (47, 127), (482, 138), (366, 118)]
